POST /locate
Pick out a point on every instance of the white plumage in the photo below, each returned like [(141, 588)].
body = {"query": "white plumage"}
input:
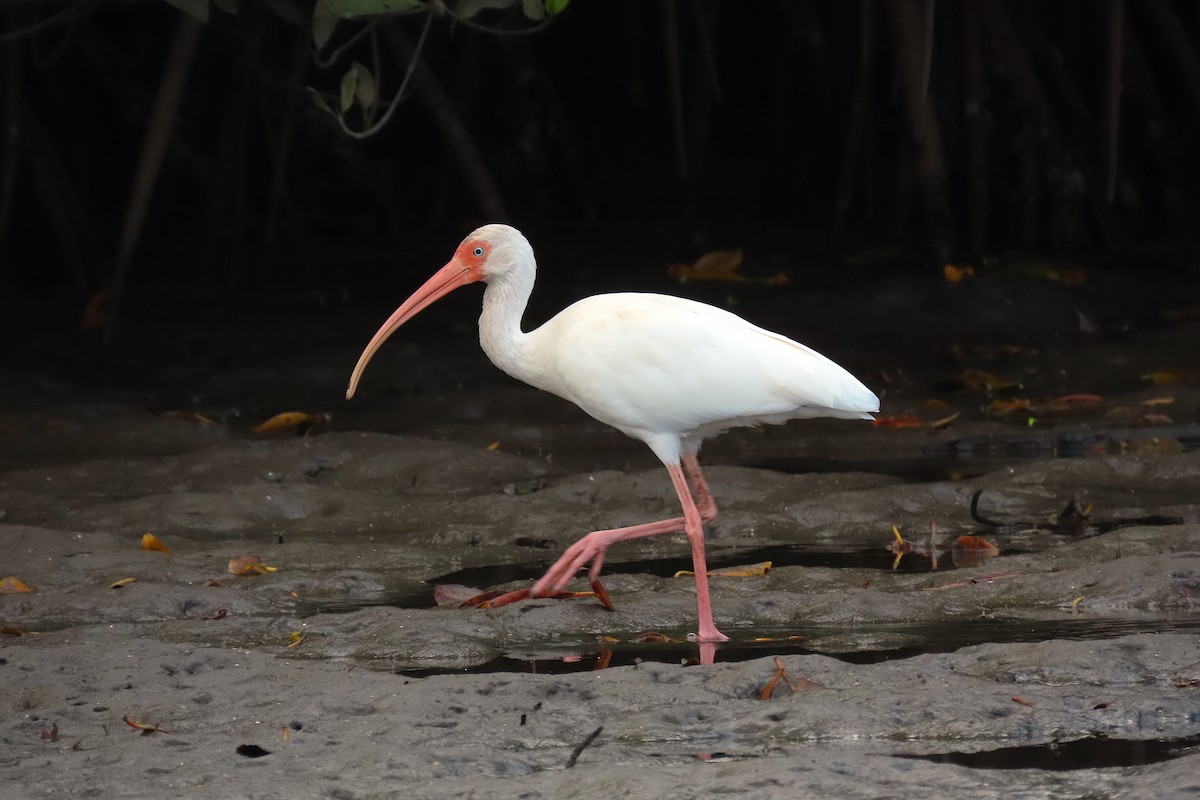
[(662, 369)]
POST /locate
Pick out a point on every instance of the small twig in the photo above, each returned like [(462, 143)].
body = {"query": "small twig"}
[(72, 10), (545, 23), (387, 115), (336, 53), (975, 515), (933, 553), (591, 737)]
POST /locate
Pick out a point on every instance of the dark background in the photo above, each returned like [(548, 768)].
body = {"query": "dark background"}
[(620, 136)]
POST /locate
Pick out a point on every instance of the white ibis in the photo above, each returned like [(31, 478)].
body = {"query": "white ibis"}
[(662, 369)]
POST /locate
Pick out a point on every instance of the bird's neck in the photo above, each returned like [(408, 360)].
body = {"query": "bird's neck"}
[(500, 332)]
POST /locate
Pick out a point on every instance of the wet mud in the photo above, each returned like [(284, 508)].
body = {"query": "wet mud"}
[(1063, 663)]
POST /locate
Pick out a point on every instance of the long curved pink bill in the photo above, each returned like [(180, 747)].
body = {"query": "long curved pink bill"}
[(444, 281)]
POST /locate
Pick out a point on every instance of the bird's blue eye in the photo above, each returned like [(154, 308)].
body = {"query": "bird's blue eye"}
[(477, 252)]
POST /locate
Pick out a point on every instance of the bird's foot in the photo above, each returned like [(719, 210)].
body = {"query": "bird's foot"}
[(488, 600), (708, 633)]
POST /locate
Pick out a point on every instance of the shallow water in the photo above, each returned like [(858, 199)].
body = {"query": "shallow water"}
[(859, 644)]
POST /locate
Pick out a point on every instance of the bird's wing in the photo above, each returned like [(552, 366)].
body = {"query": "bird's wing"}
[(645, 362)]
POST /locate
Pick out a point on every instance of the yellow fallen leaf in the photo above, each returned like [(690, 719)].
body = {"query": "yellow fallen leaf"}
[(494, 445), (121, 584), (189, 416), (978, 379), (1158, 401), (290, 420), (1077, 600), (152, 542), (11, 585), (944, 421), (721, 265), (1166, 376), (747, 571), (955, 274), (249, 565), (297, 639)]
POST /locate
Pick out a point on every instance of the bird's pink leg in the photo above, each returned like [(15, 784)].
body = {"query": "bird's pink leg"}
[(592, 547), (694, 529)]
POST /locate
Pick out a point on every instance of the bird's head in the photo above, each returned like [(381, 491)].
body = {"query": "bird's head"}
[(488, 253), (492, 251)]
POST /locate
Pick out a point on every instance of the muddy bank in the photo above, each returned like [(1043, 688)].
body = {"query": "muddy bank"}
[(1066, 664)]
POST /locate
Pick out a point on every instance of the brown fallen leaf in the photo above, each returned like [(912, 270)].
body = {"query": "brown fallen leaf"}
[(720, 265), (907, 420), (96, 311), (13, 585), (152, 542), (1077, 400), (970, 551), (651, 637), (121, 584), (1022, 701), (299, 421), (12, 630), (1007, 405), (494, 445), (780, 674), (50, 734), (143, 727), (249, 565)]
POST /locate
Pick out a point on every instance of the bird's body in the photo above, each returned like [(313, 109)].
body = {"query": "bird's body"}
[(673, 372), (662, 369)]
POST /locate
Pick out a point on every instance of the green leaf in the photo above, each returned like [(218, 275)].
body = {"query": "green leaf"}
[(324, 20), (349, 86), (554, 7), (365, 92), (349, 9), (320, 102), (534, 9)]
